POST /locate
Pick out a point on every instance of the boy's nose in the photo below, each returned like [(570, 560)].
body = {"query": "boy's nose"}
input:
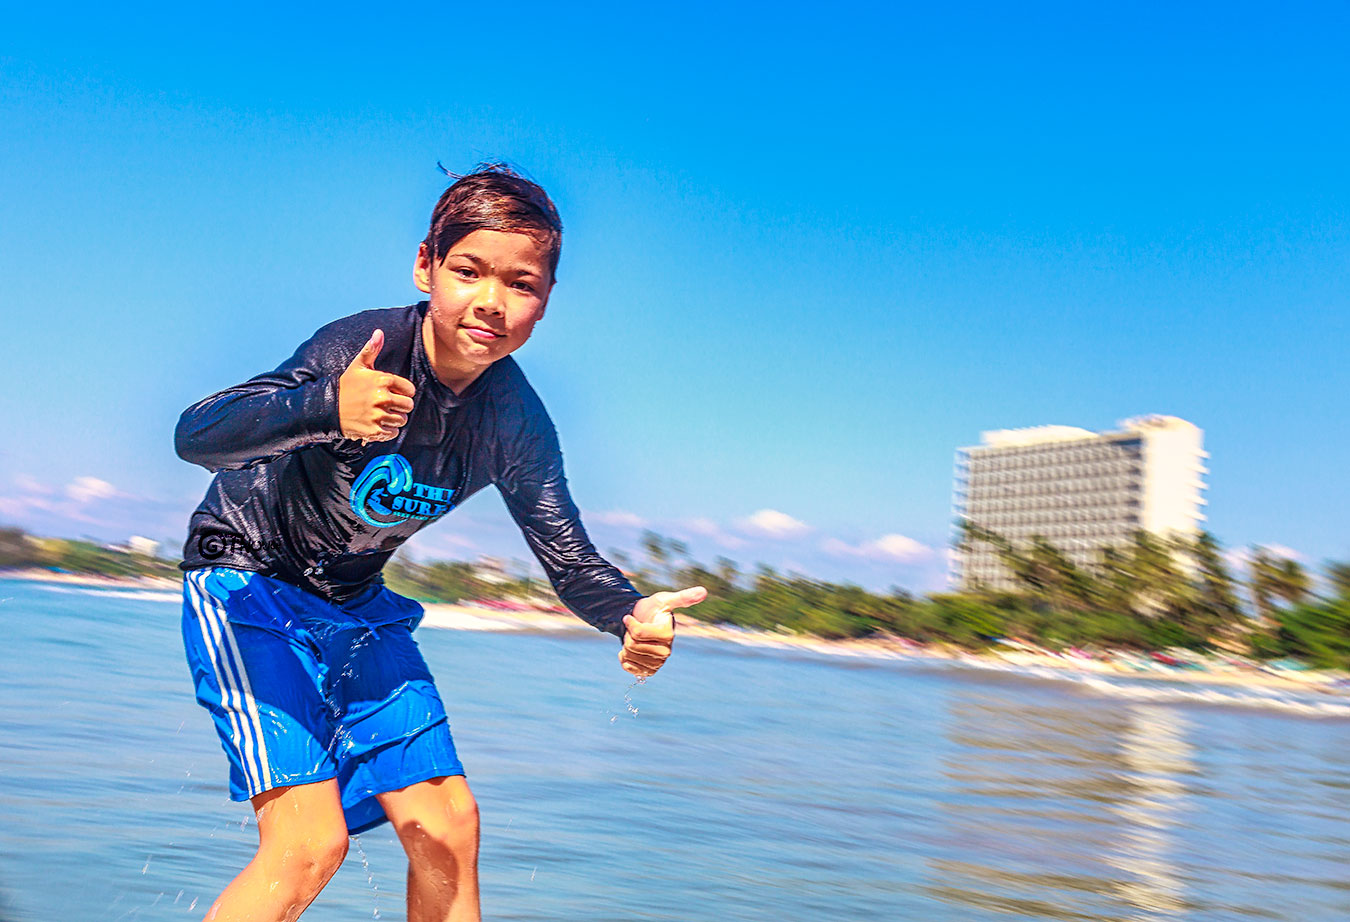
[(489, 298)]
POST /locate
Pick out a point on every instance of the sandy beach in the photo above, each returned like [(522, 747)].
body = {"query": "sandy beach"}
[(1134, 666), (1211, 671), (93, 580)]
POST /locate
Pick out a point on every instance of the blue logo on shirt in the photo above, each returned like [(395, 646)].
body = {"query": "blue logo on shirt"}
[(386, 495)]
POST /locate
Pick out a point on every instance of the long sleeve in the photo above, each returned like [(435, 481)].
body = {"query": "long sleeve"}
[(535, 490), (292, 407)]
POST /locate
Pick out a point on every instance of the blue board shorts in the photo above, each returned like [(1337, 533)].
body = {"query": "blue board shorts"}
[(303, 690)]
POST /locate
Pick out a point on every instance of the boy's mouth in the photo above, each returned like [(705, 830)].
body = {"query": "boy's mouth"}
[(482, 333)]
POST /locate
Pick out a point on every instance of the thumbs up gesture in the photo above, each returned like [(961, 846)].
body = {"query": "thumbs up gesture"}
[(650, 629), (373, 405)]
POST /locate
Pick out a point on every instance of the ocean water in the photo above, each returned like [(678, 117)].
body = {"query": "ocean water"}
[(739, 784)]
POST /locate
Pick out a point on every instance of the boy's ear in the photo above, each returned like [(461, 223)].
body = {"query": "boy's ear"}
[(422, 269)]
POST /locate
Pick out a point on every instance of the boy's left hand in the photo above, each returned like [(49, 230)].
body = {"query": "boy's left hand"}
[(650, 629)]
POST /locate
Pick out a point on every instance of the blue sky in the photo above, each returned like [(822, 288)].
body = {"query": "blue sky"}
[(807, 255)]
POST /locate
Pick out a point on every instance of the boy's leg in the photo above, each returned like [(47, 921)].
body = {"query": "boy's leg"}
[(302, 839), (397, 759), (437, 822), (254, 668)]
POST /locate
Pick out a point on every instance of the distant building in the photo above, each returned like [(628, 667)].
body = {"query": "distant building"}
[(492, 570), (139, 545), (1079, 490)]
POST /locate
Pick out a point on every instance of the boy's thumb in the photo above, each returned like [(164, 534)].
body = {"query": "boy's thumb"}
[(371, 350)]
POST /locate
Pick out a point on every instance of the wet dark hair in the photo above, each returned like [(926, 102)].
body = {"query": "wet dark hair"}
[(494, 197)]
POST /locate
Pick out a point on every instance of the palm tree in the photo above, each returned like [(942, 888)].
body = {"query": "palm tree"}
[(1273, 576), (1047, 575), (1338, 574), (1216, 598), (1117, 588), (1068, 588), (1262, 575), (1160, 585), (727, 572), (1294, 585)]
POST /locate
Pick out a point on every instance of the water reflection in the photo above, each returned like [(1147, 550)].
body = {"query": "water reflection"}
[(1061, 812), (1155, 749)]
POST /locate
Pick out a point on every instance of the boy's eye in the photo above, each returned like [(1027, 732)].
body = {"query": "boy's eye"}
[(465, 272), (524, 286)]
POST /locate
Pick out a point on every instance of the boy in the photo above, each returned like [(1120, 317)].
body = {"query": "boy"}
[(380, 423)]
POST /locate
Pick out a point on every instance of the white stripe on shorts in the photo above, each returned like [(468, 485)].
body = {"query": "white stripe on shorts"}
[(223, 681), (237, 696)]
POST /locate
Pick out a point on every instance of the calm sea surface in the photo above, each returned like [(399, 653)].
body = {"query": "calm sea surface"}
[(748, 785)]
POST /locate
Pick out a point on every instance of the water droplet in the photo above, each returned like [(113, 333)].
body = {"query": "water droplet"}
[(628, 697), (370, 876)]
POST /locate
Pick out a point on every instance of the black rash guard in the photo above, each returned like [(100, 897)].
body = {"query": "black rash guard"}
[(295, 500)]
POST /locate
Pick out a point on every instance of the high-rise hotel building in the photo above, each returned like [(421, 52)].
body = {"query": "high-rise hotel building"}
[(1079, 490)]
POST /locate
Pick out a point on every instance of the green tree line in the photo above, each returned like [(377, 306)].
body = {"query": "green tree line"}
[(1151, 594), (1178, 591), (460, 581), (20, 550)]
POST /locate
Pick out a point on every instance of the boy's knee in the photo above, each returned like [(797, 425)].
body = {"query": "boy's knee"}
[(309, 863), (457, 828), (331, 850), (446, 836)]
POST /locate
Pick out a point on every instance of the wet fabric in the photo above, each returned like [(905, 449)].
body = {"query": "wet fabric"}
[(302, 690), (293, 499)]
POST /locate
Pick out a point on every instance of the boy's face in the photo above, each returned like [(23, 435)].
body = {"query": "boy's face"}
[(486, 296)]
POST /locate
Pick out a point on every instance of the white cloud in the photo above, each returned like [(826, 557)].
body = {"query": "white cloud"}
[(707, 528), (900, 547), (92, 506), (1240, 558), (701, 526), (770, 523), (837, 548), (30, 484), (88, 489), (893, 546), (619, 518), (18, 505)]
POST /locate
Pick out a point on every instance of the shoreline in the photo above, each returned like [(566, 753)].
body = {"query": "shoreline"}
[(1028, 662), (1329, 682), (91, 579)]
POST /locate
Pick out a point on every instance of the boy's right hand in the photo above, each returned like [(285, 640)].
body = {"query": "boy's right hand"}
[(373, 405)]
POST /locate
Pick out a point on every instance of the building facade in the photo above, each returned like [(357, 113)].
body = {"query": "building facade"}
[(1080, 490)]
